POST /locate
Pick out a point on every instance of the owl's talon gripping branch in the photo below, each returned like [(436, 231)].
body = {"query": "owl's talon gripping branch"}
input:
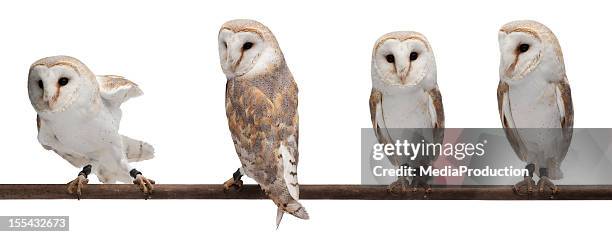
[(527, 184), (145, 185), (544, 184), (421, 182), (75, 186), (400, 186), (235, 181)]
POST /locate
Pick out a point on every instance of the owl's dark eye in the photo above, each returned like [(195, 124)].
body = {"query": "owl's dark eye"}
[(523, 48), (414, 56), (390, 58), (247, 46), (40, 84), (225, 44), (63, 81)]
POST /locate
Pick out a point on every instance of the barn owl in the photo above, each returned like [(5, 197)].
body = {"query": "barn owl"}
[(405, 102), (535, 101), (261, 107), (78, 118)]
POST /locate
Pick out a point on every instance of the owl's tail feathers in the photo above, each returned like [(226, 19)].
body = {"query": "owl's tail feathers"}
[(137, 150), (294, 208)]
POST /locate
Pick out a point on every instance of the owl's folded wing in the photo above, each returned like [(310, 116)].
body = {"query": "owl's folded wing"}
[(116, 89), (505, 114), (564, 102), (566, 109), (286, 104), (436, 111), (376, 114), (256, 120)]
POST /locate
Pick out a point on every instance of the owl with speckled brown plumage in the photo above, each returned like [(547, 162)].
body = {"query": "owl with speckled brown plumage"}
[(261, 107)]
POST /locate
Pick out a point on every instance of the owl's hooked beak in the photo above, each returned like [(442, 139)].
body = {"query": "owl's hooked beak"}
[(50, 96), (403, 73), (234, 63), (510, 69)]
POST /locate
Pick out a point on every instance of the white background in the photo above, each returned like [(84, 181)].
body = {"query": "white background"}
[(170, 50)]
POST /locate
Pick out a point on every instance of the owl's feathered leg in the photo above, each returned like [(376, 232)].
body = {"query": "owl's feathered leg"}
[(544, 184), (401, 185), (527, 182), (145, 185), (235, 181), (75, 186)]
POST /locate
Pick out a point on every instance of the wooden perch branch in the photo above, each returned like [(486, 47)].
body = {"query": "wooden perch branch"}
[(339, 192)]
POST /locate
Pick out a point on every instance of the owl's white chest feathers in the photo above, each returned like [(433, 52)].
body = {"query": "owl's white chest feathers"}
[(405, 112), (533, 103), (80, 130), (408, 109), (534, 108)]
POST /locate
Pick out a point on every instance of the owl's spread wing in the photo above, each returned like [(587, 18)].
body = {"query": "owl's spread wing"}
[(505, 114), (116, 90), (436, 111), (265, 131)]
